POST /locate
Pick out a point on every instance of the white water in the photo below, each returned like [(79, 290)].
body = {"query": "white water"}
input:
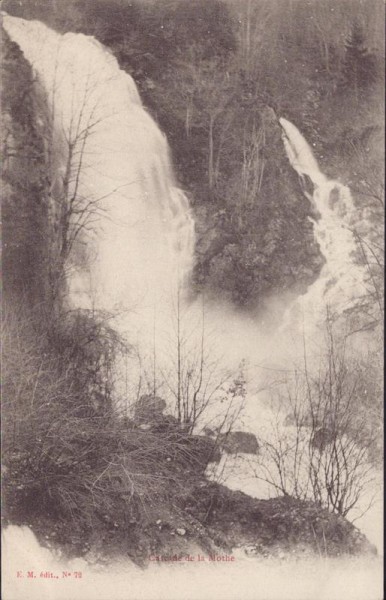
[(136, 246), (138, 249), (341, 284), (342, 281)]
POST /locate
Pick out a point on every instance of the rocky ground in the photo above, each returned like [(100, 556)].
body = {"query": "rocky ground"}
[(212, 520)]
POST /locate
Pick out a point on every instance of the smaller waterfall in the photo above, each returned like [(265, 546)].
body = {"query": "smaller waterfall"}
[(342, 282), (300, 154)]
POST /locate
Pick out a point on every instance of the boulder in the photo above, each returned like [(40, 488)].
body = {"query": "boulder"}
[(149, 409), (236, 442)]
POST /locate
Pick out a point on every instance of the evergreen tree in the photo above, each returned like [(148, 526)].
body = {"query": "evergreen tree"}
[(359, 68)]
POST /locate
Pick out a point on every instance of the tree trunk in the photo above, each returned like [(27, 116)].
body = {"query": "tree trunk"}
[(211, 152), (187, 120)]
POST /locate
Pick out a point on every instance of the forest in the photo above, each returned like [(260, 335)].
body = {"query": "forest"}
[(216, 76)]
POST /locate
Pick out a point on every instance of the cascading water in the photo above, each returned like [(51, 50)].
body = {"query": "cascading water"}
[(131, 230), (342, 281)]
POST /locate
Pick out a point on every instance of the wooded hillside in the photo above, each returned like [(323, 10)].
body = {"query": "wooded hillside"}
[(217, 75)]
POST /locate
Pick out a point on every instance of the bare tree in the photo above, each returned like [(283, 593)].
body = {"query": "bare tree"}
[(321, 444), (201, 91), (256, 19), (70, 125), (203, 389), (188, 378)]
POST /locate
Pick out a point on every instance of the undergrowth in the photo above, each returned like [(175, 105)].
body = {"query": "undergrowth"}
[(67, 453)]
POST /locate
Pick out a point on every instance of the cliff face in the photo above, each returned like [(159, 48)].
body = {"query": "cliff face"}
[(264, 247), (25, 182), (254, 239)]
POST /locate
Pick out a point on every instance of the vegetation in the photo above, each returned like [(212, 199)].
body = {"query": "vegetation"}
[(70, 459), (95, 484)]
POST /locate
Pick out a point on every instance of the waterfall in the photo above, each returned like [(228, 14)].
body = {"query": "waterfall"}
[(300, 154), (131, 228), (342, 282)]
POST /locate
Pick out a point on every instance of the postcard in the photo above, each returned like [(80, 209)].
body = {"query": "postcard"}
[(193, 299)]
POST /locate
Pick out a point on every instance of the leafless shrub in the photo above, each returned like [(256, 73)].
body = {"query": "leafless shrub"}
[(323, 440), (202, 390)]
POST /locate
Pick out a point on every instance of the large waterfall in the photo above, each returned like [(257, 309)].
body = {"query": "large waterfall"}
[(131, 229)]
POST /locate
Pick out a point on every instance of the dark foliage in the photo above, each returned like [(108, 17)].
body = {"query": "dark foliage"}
[(24, 207), (359, 70)]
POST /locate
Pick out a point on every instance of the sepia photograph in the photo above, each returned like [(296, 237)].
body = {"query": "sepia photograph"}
[(193, 299)]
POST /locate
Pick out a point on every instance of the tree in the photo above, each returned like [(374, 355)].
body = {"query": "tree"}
[(208, 26), (190, 374), (73, 112), (256, 33), (359, 68), (201, 91)]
